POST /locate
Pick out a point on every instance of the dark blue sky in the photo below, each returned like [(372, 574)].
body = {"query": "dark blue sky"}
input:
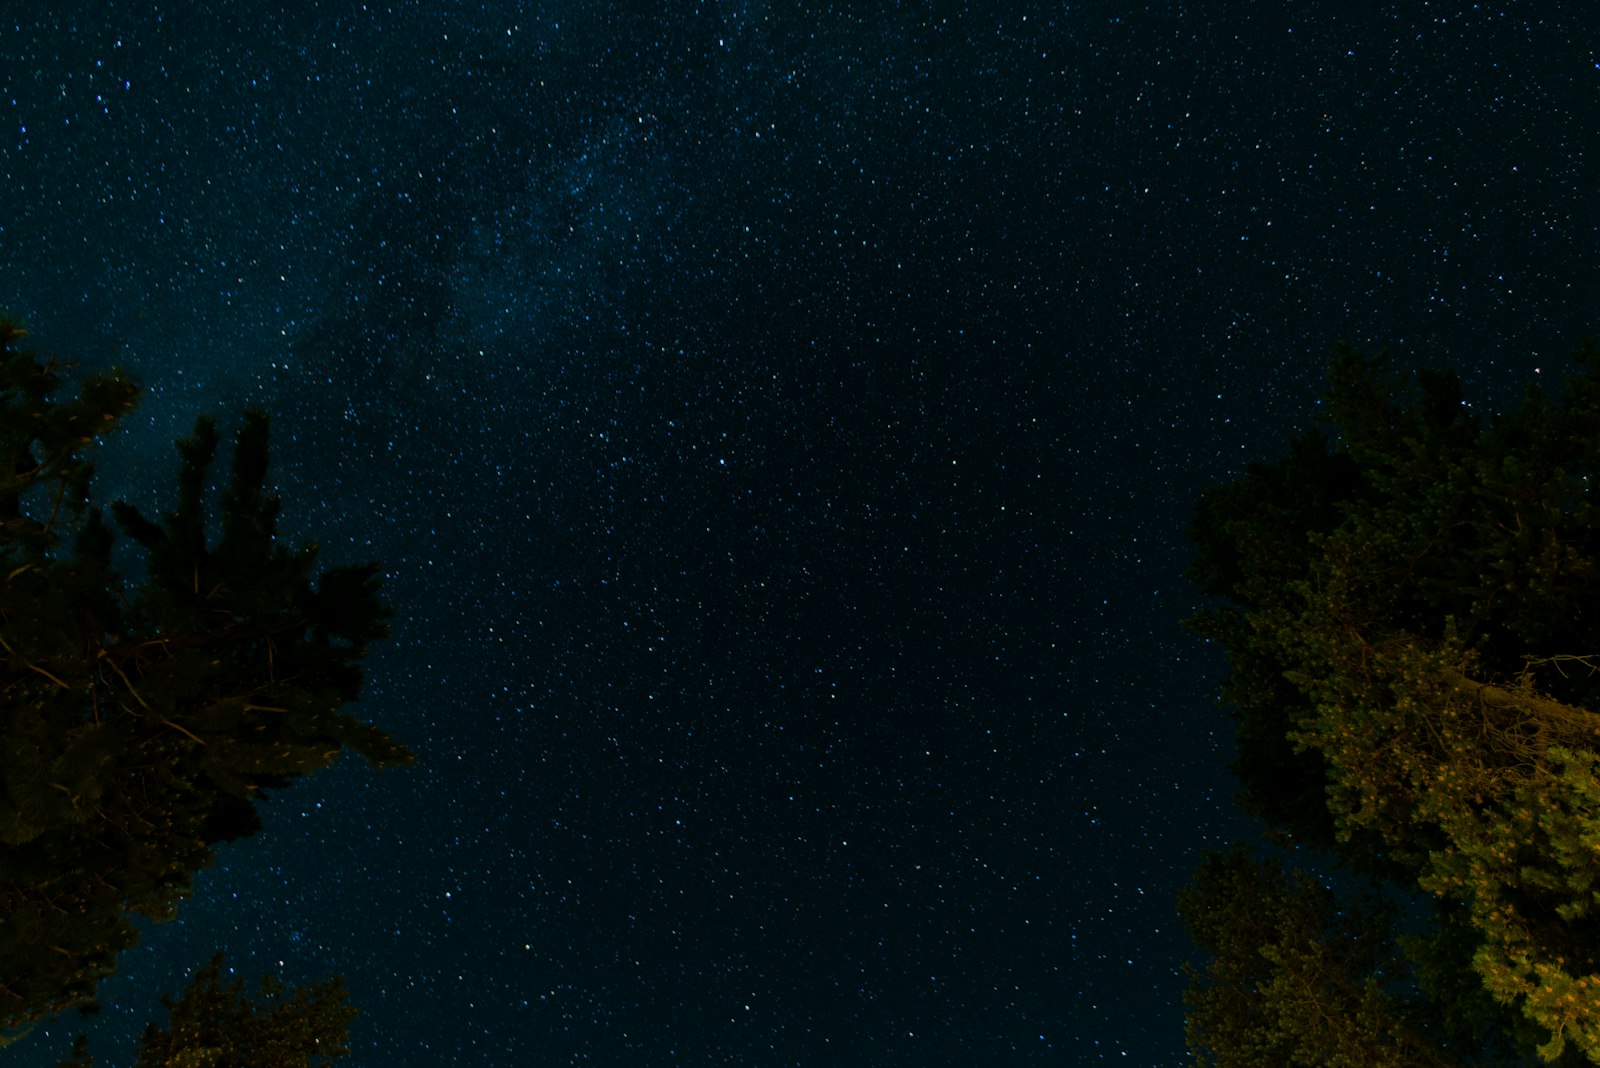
[(778, 426)]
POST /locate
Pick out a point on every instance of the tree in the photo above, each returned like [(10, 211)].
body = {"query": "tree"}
[(216, 1024), (1294, 978), (141, 722), (1411, 605)]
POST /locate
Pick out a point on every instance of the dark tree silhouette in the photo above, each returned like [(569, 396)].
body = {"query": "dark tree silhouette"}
[(140, 723), (217, 1024)]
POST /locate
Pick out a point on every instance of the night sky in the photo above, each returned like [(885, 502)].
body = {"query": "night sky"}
[(778, 426)]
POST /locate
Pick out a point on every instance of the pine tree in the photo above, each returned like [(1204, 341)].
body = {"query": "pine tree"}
[(141, 722), (1411, 613), (1296, 979), (215, 1024)]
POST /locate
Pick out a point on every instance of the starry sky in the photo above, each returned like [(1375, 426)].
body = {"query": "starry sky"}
[(778, 423)]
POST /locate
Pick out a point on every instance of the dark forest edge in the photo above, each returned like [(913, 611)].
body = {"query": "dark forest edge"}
[(143, 722), (1409, 602)]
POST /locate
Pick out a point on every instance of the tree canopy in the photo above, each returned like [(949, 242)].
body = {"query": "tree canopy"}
[(1409, 602), (216, 1023), (142, 719)]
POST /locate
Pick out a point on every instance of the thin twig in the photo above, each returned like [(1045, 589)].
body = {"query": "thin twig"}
[(181, 730)]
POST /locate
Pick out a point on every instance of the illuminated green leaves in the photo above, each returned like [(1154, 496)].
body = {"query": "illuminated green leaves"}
[(1412, 609)]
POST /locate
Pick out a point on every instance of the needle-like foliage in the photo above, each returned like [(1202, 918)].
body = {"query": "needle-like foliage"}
[(140, 723), (1410, 606)]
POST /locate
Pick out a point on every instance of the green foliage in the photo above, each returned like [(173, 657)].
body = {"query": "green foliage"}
[(1528, 868), (215, 1024), (81, 1058), (1408, 607), (139, 725), (1294, 979)]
